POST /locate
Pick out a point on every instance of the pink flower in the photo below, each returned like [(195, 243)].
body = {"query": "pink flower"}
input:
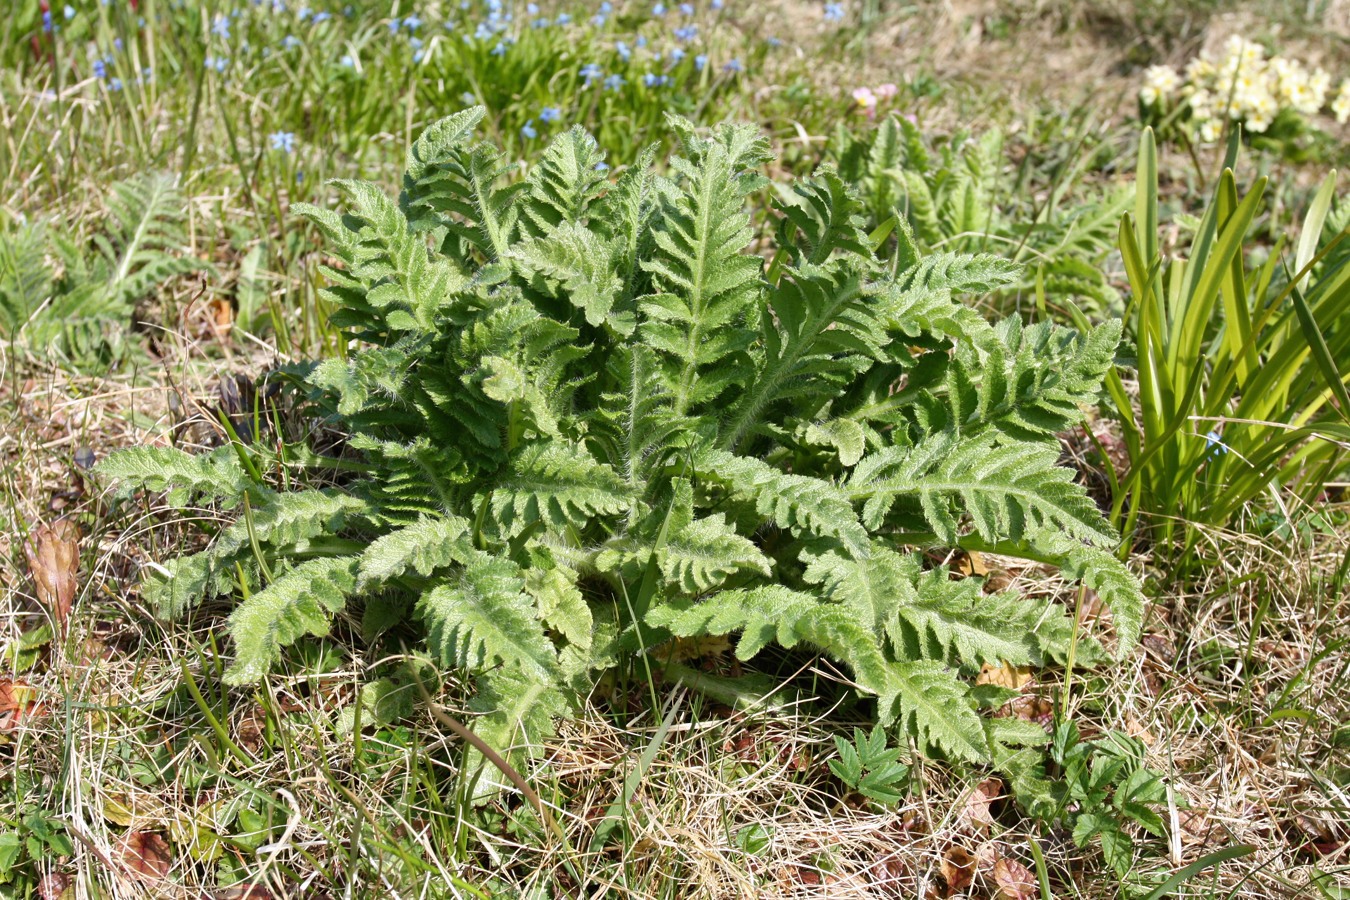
[(886, 91), (866, 99)]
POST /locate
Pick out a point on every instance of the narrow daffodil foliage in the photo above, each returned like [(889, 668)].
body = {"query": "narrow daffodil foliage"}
[(590, 419)]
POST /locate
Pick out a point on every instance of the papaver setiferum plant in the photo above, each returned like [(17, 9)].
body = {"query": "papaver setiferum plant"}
[(590, 421)]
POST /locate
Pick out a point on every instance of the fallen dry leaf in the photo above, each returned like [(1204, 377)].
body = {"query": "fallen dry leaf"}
[(53, 552), (56, 886), (957, 868), (1013, 880), (971, 563), (18, 704), (976, 813), (146, 854), (1014, 678)]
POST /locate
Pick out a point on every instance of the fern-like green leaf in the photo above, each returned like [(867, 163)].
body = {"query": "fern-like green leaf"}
[(556, 484), (301, 601), (481, 616)]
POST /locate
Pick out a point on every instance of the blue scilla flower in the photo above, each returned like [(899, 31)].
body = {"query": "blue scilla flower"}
[(290, 42), (716, 4), (415, 43), (532, 8), (47, 21), (321, 17), (686, 9), (624, 53), (614, 82), (468, 98), (550, 114), (68, 12), (834, 12), (659, 10), (115, 84), (700, 61), (598, 20), (500, 49), (412, 23), (395, 24), (652, 80), (602, 167), (686, 33), (283, 141), (591, 72), (101, 68), (303, 13), (641, 41), (540, 23), (221, 27), (1214, 441), (676, 54), (527, 130), (563, 19), (606, 8), (348, 61), (733, 65)]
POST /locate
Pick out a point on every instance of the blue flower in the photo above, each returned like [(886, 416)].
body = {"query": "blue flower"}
[(591, 72), (468, 98), (550, 114), (602, 167), (716, 4), (527, 130), (415, 43), (290, 42), (614, 82), (412, 23), (640, 42), (834, 12), (651, 79), (686, 9), (1214, 440), (677, 54), (68, 12), (563, 19), (686, 33), (700, 61), (394, 24), (115, 84), (418, 56), (283, 141), (733, 65), (321, 17), (624, 53), (598, 20), (221, 27), (659, 10), (47, 21), (606, 8), (540, 23), (348, 61), (500, 49), (303, 13), (532, 8)]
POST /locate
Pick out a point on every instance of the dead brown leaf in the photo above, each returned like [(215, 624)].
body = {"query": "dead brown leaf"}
[(957, 868), (18, 704), (1014, 678), (56, 886), (976, 813), (53, 552), (1013, 880), (146, 854), (971, 563)]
